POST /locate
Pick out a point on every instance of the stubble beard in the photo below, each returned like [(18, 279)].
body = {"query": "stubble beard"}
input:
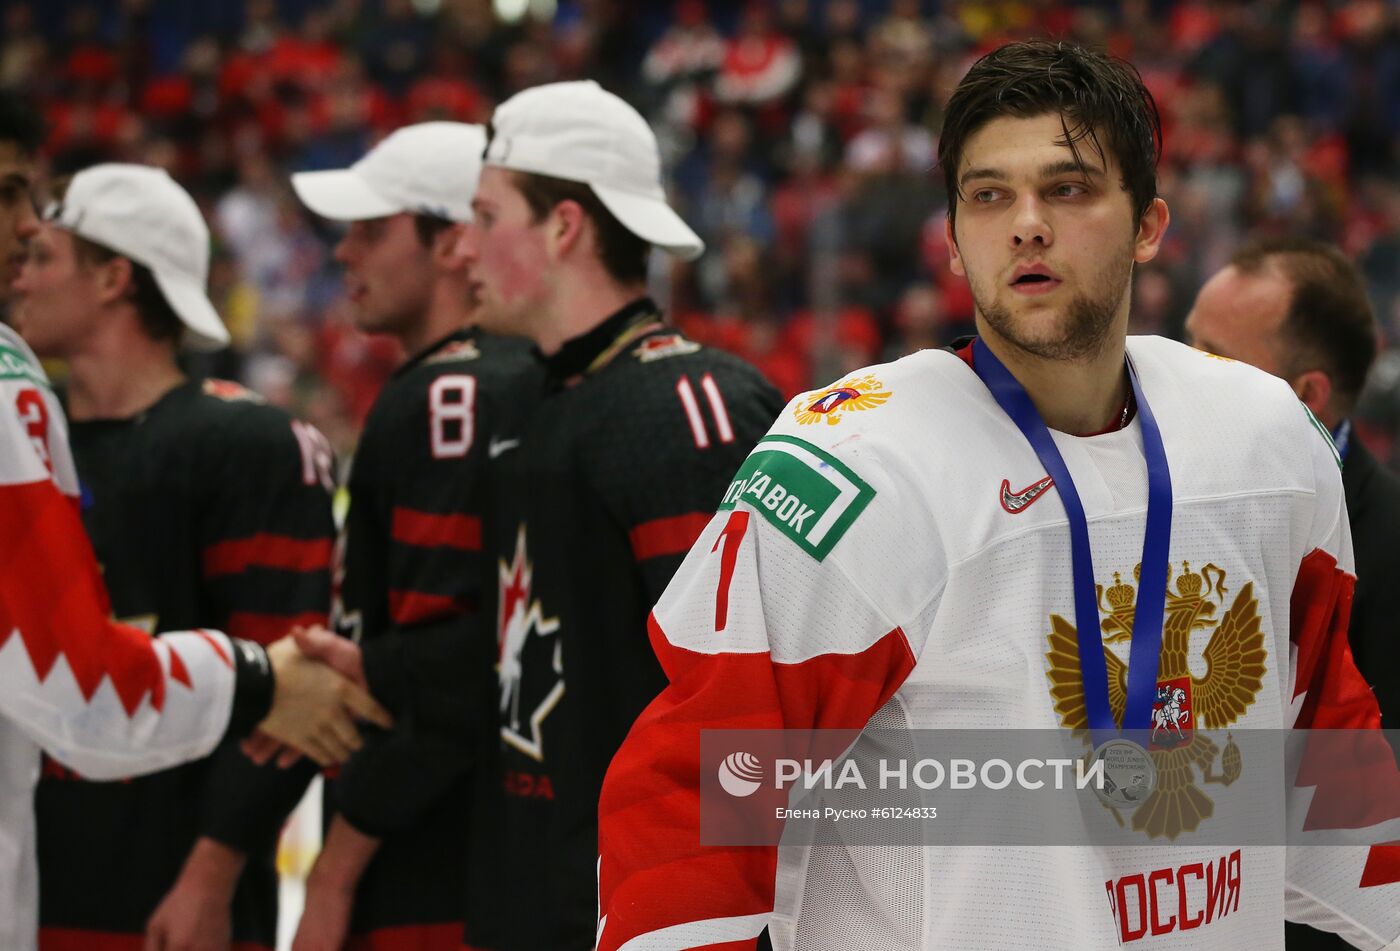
[(1084, 327)]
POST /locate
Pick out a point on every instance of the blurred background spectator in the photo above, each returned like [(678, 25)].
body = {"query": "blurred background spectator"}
[(800, 138)]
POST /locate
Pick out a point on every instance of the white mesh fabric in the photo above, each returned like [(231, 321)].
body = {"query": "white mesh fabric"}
[(1244, 505)]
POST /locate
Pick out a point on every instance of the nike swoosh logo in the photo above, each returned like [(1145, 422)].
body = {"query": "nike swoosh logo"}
[(1017, 502), (500, 446)]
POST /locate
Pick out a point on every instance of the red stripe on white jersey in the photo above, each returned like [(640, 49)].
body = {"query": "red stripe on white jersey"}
[(1338, 698), (178, 670), (218, 648), (429, 530), (650, 807), (58, 605), (1382, 865), (667, 536), (266, 550), (1348, 753)]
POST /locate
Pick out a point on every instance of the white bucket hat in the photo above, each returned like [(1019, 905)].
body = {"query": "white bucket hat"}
[(141, 213), (580, 132), (427, 169)]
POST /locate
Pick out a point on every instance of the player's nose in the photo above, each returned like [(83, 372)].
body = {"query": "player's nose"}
[(468, 242), (1030, 223)]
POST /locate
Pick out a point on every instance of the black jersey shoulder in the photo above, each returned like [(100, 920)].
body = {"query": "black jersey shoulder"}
[(424, 394), (227, 431), (493, 362), (655, 382), (672, 411)]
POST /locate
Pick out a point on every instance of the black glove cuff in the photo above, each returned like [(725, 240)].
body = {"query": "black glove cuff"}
[(253, 687)]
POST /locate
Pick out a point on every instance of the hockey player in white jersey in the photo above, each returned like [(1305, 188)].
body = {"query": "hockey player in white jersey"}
[(105, 699), (924, 545)]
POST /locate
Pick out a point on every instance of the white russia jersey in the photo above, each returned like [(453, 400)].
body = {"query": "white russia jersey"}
[(103, 699), (904, 563)]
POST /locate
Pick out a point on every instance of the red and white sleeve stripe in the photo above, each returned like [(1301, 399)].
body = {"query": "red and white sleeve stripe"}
[(105, 699), (816, 658)]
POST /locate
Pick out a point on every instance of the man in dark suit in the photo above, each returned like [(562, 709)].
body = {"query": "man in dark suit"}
[(1298, 309)]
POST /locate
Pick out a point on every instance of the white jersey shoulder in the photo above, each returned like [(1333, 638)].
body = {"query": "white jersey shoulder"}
[(33, 430), (1219, 409)]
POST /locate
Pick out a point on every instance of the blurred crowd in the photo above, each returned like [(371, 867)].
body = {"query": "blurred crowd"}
[(800, 138)]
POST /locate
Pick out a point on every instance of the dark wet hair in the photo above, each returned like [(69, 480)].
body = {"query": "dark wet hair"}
[(1100, 100)]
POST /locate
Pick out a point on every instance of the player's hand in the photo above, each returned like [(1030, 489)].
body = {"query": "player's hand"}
[(261, 749), (194, 915), (314, 708), (340, 653), (320, 644), (188, 919)]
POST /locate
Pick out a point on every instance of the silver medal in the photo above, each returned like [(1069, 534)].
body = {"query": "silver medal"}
[(1129, 775)]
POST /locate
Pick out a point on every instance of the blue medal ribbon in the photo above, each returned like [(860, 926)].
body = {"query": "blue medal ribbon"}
[(1341, 438), (1145, 654)]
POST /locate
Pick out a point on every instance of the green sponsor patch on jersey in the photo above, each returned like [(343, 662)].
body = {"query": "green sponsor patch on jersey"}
[(804, 491), (14, 365)]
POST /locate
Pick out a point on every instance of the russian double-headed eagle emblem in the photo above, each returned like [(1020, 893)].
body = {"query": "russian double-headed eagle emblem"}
[(1235, 658), (857, 393)]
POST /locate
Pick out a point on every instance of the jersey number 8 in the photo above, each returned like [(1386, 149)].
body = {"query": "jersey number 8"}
[(451, 415)]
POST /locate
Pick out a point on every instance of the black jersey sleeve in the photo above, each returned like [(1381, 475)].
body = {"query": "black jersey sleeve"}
[(690, 423), (414, 537), (445, 687), (266, 543), (267, 533)]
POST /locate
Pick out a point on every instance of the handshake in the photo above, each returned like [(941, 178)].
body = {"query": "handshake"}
[(320, 692)]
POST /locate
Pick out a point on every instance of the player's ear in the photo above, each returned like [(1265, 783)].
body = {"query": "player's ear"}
[(1314, 388), (449, 248), (114, 279), (1151, 229), (954, 259), (565, 227)]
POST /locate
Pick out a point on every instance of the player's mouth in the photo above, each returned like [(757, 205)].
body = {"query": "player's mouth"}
[(1034, 279)]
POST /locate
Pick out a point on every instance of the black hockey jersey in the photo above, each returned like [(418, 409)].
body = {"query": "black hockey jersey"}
[(414, 573), (613, 478), (209, 509)]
